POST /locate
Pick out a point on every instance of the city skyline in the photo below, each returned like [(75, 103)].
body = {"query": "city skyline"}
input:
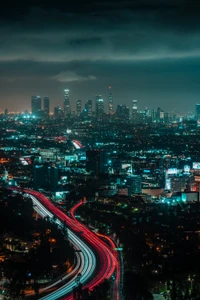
[(145, 50), (106, 100)]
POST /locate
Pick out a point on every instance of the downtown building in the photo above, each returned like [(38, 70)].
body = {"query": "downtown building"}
[(36, 106), (66, 104), (88, 108), (110, 104), (99, 106), (46, 106), (78, 107)]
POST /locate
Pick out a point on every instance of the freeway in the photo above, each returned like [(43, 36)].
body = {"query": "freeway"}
[(84, 239), (117, 293), (82, 257)]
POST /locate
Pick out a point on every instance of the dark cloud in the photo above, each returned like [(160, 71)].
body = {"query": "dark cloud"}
[(97, 43)]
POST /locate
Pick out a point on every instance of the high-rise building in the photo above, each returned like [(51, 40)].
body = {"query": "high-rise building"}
[(99, 106), (197, 111), (88, 107), (122, 112), (158, 114), (95, 161), (110, 103), (67, 105), (78, 107), (46, 106), (154, 115), (134, 184), (166, 117), (58, 112), (45, 177), (134, 109), (36, 105)]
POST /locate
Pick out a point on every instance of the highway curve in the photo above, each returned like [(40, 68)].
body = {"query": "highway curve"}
[(116, 287), (84, 239)]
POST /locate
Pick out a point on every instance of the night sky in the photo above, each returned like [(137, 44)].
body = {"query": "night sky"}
[(146, 50)]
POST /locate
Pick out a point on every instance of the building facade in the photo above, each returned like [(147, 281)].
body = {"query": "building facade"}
[(67, 105)]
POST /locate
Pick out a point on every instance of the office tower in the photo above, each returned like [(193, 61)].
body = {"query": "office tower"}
[(58, 112), (122, 112), (95, 161), (147, 112), (197, 111), (153, 115), (46, 106), (162, 115), (99, 106), (53, 178), (166, 117), (45, 177), (78, 107), (88, 107), (36, 105), (6, 112), (158, 114), (67, 106), (134, 109), (134, 184), (110, 103)]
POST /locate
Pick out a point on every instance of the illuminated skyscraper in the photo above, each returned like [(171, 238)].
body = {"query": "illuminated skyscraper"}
[(110, 103), (88, 107), (36, 105), (134, 110), (78, 107), (197, 111), (46, 106), (67, 106), (99, 106)]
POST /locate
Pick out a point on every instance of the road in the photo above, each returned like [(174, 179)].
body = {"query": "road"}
[(84, 239), (86, 260), (117, 293)]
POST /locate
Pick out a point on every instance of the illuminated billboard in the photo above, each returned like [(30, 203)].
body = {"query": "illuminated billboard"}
[(172, 171), (196, 165)]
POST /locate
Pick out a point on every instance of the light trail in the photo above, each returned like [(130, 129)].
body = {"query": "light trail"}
[(89, 244), (86, 265), (43, 212), (116, 287)]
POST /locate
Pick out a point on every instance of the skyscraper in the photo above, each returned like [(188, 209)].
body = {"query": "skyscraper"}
[(197, 111), (95, 161), (58, 112), (46, 106), (99, 106), (78, 107), (110, 103), (134, 184), (36, 105), (122, 112), (88, 107), (67, 106), (134, 109)]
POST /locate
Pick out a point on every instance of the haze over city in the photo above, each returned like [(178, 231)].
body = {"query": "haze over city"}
[(145, 50)]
